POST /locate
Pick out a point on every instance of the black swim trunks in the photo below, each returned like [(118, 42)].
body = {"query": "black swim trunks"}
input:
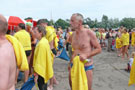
[(28, 52), (54, 51)]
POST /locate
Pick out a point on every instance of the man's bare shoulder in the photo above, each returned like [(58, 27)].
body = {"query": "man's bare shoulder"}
[(90, 33), (6, 49)]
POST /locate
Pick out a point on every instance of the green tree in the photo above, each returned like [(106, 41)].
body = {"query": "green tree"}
[(51, 22), (60, 22), (105, 21), (89, 22), (28, 18), (128, 23)]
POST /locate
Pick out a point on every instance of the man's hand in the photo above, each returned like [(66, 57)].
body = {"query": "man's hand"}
[(82, 57), (35, 78)]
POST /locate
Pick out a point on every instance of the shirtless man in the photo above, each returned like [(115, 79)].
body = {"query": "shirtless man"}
[(7, 59), (84, 43)]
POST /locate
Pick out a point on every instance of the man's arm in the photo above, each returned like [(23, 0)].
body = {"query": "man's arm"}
[(94, 44)]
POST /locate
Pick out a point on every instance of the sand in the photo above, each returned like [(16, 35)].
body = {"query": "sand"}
[(108, 73)]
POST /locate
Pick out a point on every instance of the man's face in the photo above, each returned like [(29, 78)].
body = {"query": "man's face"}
[(17, 28), (44, 24), (36, 33), (74, 23)]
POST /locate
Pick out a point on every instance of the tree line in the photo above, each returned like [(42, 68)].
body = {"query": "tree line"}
[(105, 22)]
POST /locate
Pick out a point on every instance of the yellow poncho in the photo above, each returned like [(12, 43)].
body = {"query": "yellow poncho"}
[(56, 43), (125, 39), (50, 35), (70, 33), (24, 38), (133, 39), (118, 43), (21, 58), (42, 63), (132, 74), (78, 75)]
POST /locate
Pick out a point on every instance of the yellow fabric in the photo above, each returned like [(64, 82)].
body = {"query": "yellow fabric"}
[(104, 34), (56, 43), (78, 75), (42, 63), (50, 35), (72, 49), (118, 43), (70, 33), (132, 74), (24, 38), (125, 39), (100, 35), (21, 58), (133, 39)]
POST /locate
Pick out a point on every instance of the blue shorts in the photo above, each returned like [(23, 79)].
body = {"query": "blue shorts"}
[(86, 67)]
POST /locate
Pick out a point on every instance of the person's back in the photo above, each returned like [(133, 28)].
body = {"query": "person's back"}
[(7, 66), (24, 37)]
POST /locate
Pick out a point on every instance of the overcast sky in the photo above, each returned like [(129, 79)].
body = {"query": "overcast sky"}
[(65, 8)]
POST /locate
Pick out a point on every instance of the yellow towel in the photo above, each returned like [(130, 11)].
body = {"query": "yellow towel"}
[(42, 63), (78, 75), (70, 33), (21, 58), (50, 35), (24, 38), (118, 43), (56, 43), (132, 74), (125, 39), (133, 39)]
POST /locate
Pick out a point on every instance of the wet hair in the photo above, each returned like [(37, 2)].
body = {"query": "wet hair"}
[(3, 25), (21, 25), (40, 21), (41, 29), (78, 16)]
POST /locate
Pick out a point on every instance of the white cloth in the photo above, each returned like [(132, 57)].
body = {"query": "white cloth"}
[(131, 61)]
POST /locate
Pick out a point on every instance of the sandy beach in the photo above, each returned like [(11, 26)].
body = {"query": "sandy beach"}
[(108, 73)]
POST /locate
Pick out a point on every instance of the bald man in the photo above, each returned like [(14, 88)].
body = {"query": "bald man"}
[(7, 59), (85, 44)]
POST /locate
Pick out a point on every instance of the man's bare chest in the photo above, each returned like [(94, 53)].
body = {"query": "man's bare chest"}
[(80, 42)]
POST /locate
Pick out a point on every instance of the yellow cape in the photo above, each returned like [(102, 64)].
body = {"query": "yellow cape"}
[(70, 33), (125, 39), (56, 43), (132, 74), (133, 39), (118, 43), (50, 35), (21, 58), (42, 63), (78, 75), (24, 38)]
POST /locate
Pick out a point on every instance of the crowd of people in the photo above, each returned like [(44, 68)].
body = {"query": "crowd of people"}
[(42, 43), (120, 40)]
